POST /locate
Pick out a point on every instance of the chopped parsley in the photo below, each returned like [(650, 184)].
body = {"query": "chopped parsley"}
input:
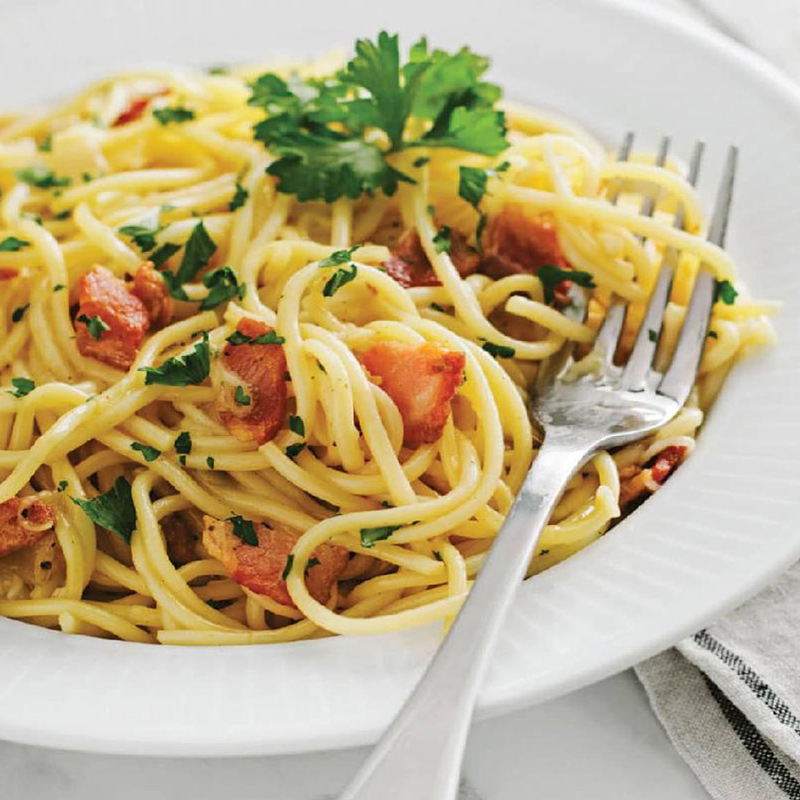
[(551, 276), (339, 279), (293, 449), (421, 161), (164, 252), (437, 307), (543, 552), (183, 443), (149, 453), (437, 555), (241, 398), (191, 369), (199, 249), (223, 286), (22, 386), (288, 566), (177, 114), (62, 485), (244, 530), (58, 287), (210, 462), (11, 244), (296, 425), (499, 350), (442, 241), (371, 535), (42, 177), (316, 128), (239, 198), (217, 69), (338, 257), (472, 184), (270, 337), (652, 335), (19, 312), (142, 236), (723, 290), (713, 334), (95, 326), (113, 510)]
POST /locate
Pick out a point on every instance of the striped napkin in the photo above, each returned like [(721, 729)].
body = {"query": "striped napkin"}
[(729, 697)]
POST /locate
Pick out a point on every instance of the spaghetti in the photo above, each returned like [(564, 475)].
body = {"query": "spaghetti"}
[(308, 417)]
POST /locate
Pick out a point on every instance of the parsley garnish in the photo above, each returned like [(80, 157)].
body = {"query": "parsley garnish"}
[(652, 335), (241, 398), (713, 334), (244, 529), (183, 445), (41, 177), (550, 275), (191, 369), (164, 252), (58, 287), (270, 337), (11, 244), (149, 453), (223, 286), (199, 249), (437, 555), (543, 552), (113, 510), (239, 198), (95, 325), (312, 562), (442, 240), (22, 386), (141, 235), (723, 290), (176, 114), (19, 312), (421, 161), (472, 184), (217, 69), (316, 128), (288, 566), (293, 449), (339, 279), (210, 462), (62, 485), (296, 425), (437, 307), (338, 257), (498, 350), (371, 535)]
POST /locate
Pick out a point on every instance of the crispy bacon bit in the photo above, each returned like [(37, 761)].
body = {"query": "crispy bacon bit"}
[(409, 265), (23, 521), (638, 482), (260, 568), (7, 274), (516, 243), (261, 367), (149, 287), (136, 108), (421, 379), (102, 294), (180, 538)]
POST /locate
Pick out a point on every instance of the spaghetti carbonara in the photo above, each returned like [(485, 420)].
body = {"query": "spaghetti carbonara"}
[(267, 338)]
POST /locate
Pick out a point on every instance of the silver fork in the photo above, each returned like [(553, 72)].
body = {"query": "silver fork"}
[(419, 756)]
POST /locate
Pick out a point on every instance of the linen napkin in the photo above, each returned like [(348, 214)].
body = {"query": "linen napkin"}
[(729, 697)]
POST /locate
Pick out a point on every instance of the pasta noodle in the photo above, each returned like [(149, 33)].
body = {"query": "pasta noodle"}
[(112, 172)]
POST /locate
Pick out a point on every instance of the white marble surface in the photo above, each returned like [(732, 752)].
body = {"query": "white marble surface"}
[(601, 742)]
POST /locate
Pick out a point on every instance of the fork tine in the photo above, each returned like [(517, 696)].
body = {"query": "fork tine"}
[(634, 377), (680, 377), (605, 343)]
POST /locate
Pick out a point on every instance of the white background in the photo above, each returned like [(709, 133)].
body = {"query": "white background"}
[(601, 742)]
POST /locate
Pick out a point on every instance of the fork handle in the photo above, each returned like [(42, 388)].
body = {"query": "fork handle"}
[(419, 756)]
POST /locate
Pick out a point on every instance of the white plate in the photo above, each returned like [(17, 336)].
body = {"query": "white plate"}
[(722, 528)]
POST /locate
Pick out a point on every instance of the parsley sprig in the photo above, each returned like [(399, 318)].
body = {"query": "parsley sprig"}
[(316, 128), (113, 510)]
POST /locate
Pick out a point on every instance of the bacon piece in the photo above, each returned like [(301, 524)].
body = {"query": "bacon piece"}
[(638, 482), (516, 243), (136, 108), (149, 287), (180, 538), (261, 367), (23, 521), (409, 265), (260, 567), (102, 294), (7, 274), (421, 379)]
